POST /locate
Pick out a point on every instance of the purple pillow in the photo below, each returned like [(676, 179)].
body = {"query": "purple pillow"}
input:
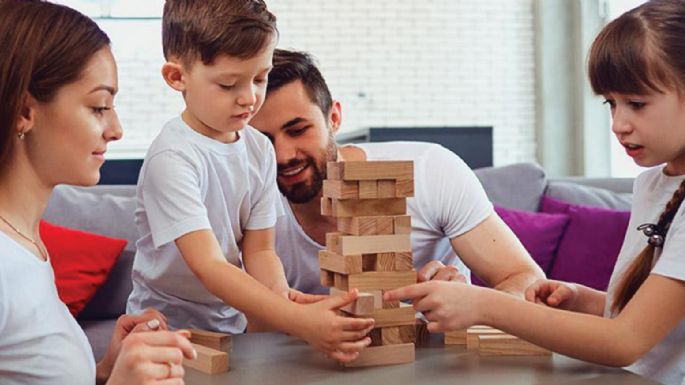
[(589, 248), (539, 233)]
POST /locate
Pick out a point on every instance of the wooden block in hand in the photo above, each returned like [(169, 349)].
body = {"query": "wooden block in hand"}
[(384, 355), (508, 345), (455, 337), (208, 360), (367, 244), (365, 304), (363, 207), (214, 340), (346, 264), (378, 280), (370, 170)]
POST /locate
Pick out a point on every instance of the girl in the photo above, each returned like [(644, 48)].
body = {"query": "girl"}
[(638, 64), (57, 83)]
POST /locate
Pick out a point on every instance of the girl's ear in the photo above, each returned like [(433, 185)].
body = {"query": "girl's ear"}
[(27, 115), (335, 116), (174, 75)]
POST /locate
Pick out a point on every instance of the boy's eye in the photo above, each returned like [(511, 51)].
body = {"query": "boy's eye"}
[(636, 105), (610, 102), (226, 86)]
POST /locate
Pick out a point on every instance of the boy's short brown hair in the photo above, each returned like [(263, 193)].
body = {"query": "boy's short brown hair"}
[(204, 29)]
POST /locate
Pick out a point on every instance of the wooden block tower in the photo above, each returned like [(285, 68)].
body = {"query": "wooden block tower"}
[(371, 251)]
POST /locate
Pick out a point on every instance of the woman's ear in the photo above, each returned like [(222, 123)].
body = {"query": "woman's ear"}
[(27, 115), (174, 75)]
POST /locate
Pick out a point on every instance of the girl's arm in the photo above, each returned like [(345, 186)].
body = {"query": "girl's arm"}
[(655, 310)]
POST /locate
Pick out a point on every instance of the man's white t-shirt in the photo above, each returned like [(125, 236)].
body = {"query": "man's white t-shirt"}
[(190, 182), (449, 201), (652, 190), (40, 342)]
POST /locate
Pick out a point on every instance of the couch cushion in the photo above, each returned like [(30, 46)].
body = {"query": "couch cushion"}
[(588, 196), (110, 300), (81, 261), (96, 210), (517, 186), (99, 334), (590, 246)]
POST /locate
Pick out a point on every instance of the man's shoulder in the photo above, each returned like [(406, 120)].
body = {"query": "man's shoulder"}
[(400, 150)]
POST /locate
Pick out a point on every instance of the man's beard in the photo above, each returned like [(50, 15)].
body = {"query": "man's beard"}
[(305, 191)]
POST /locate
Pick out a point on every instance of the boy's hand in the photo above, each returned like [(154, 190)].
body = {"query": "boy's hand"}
[(556, 294), (303, 298), (446, 305), (341, 338)]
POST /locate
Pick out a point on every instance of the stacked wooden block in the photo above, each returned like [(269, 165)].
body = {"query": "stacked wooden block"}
[(371, 251), (493, 342)]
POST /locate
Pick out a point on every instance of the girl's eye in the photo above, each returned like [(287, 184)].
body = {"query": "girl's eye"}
[(226, 86), (610, 102), (636, 105)]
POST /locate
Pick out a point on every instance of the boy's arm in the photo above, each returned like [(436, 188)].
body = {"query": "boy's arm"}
[(202, 253), (262, 263)]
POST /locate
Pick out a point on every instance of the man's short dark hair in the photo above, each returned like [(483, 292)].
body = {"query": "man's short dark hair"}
[(290, 66)]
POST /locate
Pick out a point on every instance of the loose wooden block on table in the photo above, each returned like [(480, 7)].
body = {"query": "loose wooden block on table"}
[(363, 207), (508, 345), (472, 334), (376, 280), (384, 355), (456, 337), (346, 264), (208, 360), (365, 304), (214, 340), (370, 170)]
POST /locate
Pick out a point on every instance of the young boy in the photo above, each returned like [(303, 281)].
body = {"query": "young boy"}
[(207, 198)]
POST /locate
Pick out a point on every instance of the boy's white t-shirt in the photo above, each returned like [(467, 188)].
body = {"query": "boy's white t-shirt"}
[(190, 182), (652, 190), (40, 342), (449, 201)]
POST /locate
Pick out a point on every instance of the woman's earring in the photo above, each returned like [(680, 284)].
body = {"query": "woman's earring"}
[(21, 135)]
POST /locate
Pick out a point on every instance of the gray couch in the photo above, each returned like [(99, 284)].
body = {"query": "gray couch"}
[(108, 210)]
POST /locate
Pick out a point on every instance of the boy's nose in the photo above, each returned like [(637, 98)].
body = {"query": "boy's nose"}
[(248, 97), (620, 124)]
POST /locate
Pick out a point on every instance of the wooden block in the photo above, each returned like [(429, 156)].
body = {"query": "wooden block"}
[(369, 262), (473, 333), (403, 315), (385, 262), (346, 264), (334, 170), (384, 355), (386, 188), (327, 278), (456, 337), (368, 244), (408, 333), (385, 225), (375, 335), (402, 224), (365, 304), (368, 189), (390, 336), (326, 207), (373, 170), (340, 189), (423, 336), (340, 281), (404, 188), (508, 345), (214, 340), (332, 242), (404, 261), (357, 225), (365, 207), (379, 280), (208, 360)]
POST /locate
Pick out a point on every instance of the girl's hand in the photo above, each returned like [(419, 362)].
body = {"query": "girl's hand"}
[(303, 298), (152, 358), (446, 305), (561, 295), (149, 320), (341, 338)]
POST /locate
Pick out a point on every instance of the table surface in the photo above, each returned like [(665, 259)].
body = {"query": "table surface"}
[(274, 358)]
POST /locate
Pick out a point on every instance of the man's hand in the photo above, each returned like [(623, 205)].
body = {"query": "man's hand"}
[(437, 271)]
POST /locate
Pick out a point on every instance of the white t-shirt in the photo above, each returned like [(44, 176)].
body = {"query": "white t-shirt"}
[(653, 189), (40, 342), (190, 182), (449, 201)]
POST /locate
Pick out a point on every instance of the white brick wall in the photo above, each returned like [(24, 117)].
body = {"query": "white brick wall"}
[(390, 62)]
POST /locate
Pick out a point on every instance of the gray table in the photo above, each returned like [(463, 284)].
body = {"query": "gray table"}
[(272, 358)]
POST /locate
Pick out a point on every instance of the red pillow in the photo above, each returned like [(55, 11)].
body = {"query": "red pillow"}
[(81, 260)]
